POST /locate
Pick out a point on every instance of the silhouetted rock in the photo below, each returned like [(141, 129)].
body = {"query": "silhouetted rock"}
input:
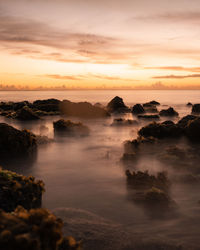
[(17, 190), (149, 117), (147, 104), (184, 121), (15, 143), (49, 105), (37, 229), (138, 109), (193, 130), (196, 108), (117, 105), (168, 112), (26, 114), (5, 106), (161, 130), (123, 122), (82, 109), (189, 104), (68, 128)]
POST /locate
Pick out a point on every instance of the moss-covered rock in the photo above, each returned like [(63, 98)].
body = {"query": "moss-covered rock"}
[(68, 128), (37, 229), (17, 190)]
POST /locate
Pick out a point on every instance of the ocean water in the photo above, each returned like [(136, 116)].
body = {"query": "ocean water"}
[(85, 181)]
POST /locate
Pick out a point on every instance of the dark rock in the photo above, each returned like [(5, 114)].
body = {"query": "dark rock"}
[(196, 108), (151, 109), (138, 109), (149, 117), (189, 104), (117, 105), (5, 106), (184, 121), (37, 229), (49, 105), (168, 112), (123, 122), (143, 180), (193, 130), (16, 143), (68, 128), (26, 114), (20, 105), (161, 130), (147, 104), (82, 109), (17, 190)]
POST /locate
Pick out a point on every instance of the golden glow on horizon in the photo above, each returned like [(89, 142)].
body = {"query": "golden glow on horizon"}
[(130, 50)]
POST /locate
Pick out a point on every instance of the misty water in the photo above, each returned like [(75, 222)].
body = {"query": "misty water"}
[(85, 181)]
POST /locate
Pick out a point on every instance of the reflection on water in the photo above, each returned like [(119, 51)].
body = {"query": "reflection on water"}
[(85, 175)]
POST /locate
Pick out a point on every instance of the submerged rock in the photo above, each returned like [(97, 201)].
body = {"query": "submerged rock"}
[(123, 122), (117, 105), (82, 109), (138, 109), (68, 128), (26, 114), (168, 112), (16, 143), (17, 190), (37, 229), (151, 109), (149, 117), (196, 108)]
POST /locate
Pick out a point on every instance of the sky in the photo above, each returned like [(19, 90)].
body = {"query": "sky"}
[(93, 44)]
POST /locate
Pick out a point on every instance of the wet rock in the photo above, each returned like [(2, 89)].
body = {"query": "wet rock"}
[(143, 180), (138, 109), (26, 114), (149, 117), (124, 122), (117, 105), (196, 108), (184, 121), (161, 130), (82, 109), (17, 190), (68, 128), (49, 105), (16, 143), (37, 229), (168, 112)]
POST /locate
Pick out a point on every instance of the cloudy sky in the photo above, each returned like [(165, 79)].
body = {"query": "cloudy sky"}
[(100, 44)]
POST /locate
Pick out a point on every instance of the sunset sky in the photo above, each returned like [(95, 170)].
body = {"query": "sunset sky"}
[(99, 44)]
